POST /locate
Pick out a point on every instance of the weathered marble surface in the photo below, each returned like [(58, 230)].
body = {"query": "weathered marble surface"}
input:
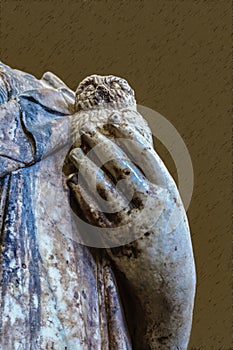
[(55, 292)]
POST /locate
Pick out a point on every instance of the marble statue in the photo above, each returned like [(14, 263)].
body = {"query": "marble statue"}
[(108, 280)]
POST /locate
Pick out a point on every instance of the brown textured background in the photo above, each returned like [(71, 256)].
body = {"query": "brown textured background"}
[(176, 54)]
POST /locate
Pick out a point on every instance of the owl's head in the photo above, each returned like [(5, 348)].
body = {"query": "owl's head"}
[(104, 91)]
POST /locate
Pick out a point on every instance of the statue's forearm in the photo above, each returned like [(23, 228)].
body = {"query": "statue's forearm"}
[(160, 270)]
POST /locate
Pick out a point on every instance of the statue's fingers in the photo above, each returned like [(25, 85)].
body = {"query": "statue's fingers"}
[(86, 203), (91, 233), (94, 227), (116, 162), (109, 199), (141, 153)]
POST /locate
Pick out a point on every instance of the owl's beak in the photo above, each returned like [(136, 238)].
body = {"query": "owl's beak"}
[(102, 94)]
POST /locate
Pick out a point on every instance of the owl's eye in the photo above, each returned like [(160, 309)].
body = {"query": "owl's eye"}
[(90, 88), (115, 85)]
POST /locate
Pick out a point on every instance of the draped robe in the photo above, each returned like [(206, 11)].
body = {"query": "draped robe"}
[(55, 293)]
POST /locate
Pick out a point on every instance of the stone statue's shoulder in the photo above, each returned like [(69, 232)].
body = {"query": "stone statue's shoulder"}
[(34, 117)]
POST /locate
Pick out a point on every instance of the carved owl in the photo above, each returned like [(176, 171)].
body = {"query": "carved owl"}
[(104, 91)]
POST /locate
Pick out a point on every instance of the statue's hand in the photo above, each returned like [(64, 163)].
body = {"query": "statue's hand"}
[(121, 183)]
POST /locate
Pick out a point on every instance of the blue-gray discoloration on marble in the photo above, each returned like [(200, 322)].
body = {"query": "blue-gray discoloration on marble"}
[(50, 295)]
